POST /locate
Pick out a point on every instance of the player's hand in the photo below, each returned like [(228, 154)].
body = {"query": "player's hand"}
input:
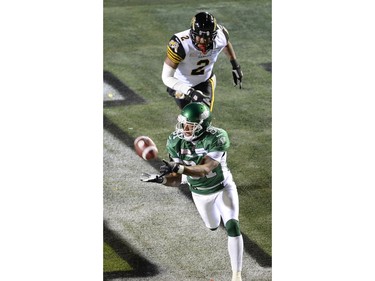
[(237, 74), (146, 177), (199, 96), (169, 167)]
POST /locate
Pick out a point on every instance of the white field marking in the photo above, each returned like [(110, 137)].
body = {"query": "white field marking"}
[(110, 93)]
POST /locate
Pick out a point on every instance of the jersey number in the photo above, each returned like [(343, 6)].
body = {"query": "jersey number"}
[(200, 70), (192, 163)]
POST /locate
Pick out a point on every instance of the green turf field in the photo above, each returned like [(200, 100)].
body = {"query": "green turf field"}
[(135, 37), (112, 262)]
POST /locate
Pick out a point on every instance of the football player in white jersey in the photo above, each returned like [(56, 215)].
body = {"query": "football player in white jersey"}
[(191, 55), (199, 157)]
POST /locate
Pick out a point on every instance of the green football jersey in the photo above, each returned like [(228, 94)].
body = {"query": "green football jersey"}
[(190, 153)]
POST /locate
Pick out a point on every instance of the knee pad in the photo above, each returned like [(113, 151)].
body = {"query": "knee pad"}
[(233, 228)]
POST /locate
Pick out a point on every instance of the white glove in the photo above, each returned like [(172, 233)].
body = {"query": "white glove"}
[(146, 177)]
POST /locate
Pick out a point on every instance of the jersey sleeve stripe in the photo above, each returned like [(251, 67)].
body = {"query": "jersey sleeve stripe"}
[(173, 56)]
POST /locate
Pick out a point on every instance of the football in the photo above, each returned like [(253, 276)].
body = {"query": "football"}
[(145, 148)]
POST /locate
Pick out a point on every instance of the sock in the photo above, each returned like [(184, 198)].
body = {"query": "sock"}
[(235, 249), (236, 276)]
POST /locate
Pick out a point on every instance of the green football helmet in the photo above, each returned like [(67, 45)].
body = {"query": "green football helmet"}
[(193, 122)]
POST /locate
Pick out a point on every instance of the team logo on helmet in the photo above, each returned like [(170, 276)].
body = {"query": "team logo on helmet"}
[(193, 23), (204, 115)]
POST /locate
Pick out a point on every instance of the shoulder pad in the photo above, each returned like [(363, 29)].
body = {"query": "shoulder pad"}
[(219, 139), (225, 31), (175, 50)]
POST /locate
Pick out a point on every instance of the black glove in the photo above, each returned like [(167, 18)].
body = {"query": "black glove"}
[(199, 96), (169, 167), (146, 177), (237, 73)]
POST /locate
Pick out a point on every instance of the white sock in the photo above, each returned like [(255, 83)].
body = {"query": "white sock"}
[(235, 249), (236, 276)]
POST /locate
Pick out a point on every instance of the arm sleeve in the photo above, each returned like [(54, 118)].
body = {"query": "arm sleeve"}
[(170, 81)]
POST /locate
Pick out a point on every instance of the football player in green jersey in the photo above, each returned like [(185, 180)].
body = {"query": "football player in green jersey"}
[(199, 157), (191, 55)]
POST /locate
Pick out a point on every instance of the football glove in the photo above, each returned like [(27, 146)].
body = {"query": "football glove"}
[(237, 73), (198, 96), (171, 167), (146, 177)]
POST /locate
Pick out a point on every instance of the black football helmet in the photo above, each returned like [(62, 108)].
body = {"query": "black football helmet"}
[(204, 26)]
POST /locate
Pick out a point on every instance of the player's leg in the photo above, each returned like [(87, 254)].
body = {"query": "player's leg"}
[(208, 88), (228, 205), (207, 210)]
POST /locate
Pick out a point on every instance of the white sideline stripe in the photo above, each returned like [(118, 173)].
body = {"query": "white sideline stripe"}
[(110, 93)]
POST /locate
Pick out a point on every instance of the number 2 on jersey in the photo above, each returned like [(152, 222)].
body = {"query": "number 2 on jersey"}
[(200, 69)]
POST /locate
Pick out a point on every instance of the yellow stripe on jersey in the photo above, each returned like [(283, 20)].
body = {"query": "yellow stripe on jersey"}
[(173, 56)]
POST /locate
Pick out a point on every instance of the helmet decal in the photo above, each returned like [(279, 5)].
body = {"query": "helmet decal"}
[(204, 115), (193, 23)]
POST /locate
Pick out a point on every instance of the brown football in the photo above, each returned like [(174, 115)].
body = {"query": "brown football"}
[(145, 148)]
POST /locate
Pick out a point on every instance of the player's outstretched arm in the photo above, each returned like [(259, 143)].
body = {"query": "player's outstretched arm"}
[(201, 170)]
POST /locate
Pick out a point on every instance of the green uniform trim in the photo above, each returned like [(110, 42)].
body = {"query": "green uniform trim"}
[(233, 228)]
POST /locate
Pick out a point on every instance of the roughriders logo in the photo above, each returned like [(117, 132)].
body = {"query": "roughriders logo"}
[(173, 45)]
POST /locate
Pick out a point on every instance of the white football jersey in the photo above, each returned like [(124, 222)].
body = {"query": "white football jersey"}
[(194, 67)]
